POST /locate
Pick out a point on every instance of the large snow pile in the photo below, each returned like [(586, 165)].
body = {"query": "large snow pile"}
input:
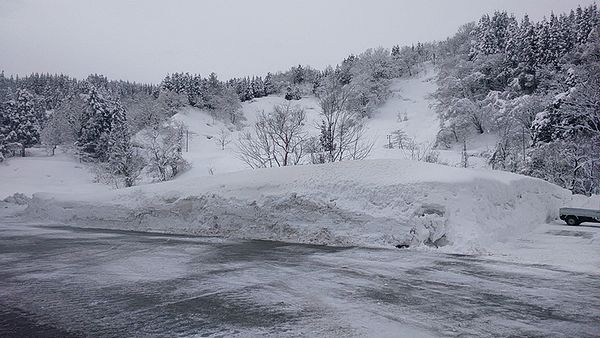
[(372, 203)]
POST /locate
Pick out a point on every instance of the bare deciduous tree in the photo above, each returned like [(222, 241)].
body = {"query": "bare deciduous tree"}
[(277, 139), (223, 138), (342, 128), (423, 152)]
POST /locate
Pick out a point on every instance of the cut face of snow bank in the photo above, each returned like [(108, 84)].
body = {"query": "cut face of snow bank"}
[(371, 203)]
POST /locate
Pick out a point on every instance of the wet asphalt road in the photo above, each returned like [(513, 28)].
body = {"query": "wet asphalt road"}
[(59, 281)]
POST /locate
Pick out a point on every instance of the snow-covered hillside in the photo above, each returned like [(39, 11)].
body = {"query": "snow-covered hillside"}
[(408, 109), (63, 174), (206, 154)]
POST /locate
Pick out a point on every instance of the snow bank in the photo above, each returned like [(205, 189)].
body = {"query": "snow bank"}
[(369, 203)]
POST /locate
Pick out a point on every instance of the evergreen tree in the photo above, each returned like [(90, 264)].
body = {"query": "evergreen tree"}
[(514, 43), (92, 139), (269, 85), (258, 87), (543, 49), (123, 161), (298, 75), (555, 37), (3, 131), (21, 123), (528, 43), (326, 140)]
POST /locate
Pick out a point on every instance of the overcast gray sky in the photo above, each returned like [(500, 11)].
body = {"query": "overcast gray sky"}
[(145, 40)]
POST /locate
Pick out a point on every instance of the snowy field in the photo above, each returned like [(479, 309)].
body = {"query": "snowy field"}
[(39, 172)]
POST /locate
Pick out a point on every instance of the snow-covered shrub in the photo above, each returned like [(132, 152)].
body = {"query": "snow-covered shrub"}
[(292, 93), (163, 150), (18, 198), (424, 152), (223, 138)]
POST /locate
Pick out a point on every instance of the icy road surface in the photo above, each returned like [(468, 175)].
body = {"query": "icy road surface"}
[(58, 281)]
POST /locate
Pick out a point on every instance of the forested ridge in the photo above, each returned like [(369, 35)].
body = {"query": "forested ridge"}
[(535, 84)]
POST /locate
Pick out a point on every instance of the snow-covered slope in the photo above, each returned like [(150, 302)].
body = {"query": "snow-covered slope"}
[(407, 109), (373, 203), (207, 156), (410, 98), (62, 173)]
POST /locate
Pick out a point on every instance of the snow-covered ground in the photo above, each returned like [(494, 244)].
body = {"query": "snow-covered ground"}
[(39, 172), (407, 109)]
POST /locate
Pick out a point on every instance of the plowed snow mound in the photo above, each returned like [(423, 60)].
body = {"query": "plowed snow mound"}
[(372, 203)]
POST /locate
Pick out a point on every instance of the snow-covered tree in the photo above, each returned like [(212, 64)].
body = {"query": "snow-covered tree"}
[(3, 131), (163, 147), (268, 84), (223, 138), (292, 93), (124, 161), (57, 131), (342, 128), (92, 139), (21, 123)]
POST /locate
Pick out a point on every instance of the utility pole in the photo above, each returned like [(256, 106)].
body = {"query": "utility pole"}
[(187, 140), (523, 138), (465, 156)]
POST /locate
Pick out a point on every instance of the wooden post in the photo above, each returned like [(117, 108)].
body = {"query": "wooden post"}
[(465, 157), (523, 138)]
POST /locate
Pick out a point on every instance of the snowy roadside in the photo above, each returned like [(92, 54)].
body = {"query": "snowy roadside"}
[(570, 248), (365, 203)]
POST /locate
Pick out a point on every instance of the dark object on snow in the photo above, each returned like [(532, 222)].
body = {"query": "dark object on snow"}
[(18, 198), (576, 216)]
